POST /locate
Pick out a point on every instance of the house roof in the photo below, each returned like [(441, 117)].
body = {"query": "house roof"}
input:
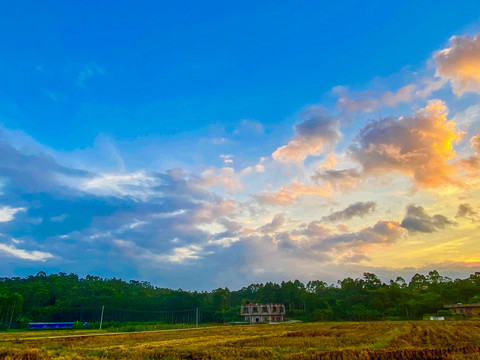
[(457, 306)]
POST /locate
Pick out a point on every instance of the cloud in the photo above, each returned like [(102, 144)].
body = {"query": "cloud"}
[(135, 185), (110, 222), (417, 220), (32, 171), (419, 146), (430, 86), (338, 179), (357, 209), (315, 231), (227, 158), (315, 240), (287, 195), (87, 73), (24, 254), (7, 213), (402, 95), (472, 163), (369, 101), (225, 177), (249, 127), (384, 232), (475, 143), (460, 63), (357, 104), (277, 222), (329, 163), (178, 255), (466, 211), (318, 132)]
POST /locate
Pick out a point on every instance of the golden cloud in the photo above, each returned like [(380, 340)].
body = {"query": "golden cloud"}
[(420, 146)]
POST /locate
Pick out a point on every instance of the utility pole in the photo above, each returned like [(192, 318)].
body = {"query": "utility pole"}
[(101, 317), (196, 317), (11, 317)]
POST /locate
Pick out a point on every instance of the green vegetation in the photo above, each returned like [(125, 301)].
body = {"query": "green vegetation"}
[(62, 297), (328, 340)]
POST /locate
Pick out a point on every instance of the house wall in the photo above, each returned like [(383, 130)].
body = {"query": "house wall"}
[(470, 311), (260, 313)]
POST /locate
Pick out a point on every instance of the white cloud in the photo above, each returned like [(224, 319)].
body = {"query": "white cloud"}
[(25, 254), (137, 185), (8, 213)]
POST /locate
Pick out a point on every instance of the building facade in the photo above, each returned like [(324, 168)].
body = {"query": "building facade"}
[(465, 309), (262, 313)]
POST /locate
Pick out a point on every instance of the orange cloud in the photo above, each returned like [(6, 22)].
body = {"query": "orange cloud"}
[(475, 143), (286, 195), (419, 146), (460, 63), (329, 163)]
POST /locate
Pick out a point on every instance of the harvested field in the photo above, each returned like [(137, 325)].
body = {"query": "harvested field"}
[(365, 340)]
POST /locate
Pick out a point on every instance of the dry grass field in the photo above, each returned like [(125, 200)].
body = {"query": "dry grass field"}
[(365, 340)]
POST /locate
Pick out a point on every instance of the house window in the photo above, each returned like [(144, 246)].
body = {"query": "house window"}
[(264, 309), (245, 310), (282, 309), (274, 308), (255, 309)]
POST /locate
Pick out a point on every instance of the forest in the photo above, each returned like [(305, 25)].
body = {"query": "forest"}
[(68, 297)]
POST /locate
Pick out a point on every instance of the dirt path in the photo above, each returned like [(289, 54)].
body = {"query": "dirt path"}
[(114, 333)]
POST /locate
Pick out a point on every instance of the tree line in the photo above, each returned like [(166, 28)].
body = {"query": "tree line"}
[(67, 297)]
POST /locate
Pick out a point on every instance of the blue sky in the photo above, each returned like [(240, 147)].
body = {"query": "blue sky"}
[(152, 140)]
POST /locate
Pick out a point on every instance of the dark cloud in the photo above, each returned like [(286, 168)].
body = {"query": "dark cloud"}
[(357, 209), (355, 258), (28, 171), (339, 179), (384, 232), (315, 239), (466, 211), (417, 220), (277, 222), (314, 231)]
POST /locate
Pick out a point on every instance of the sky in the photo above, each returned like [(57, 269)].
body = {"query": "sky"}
[(211, 144)]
